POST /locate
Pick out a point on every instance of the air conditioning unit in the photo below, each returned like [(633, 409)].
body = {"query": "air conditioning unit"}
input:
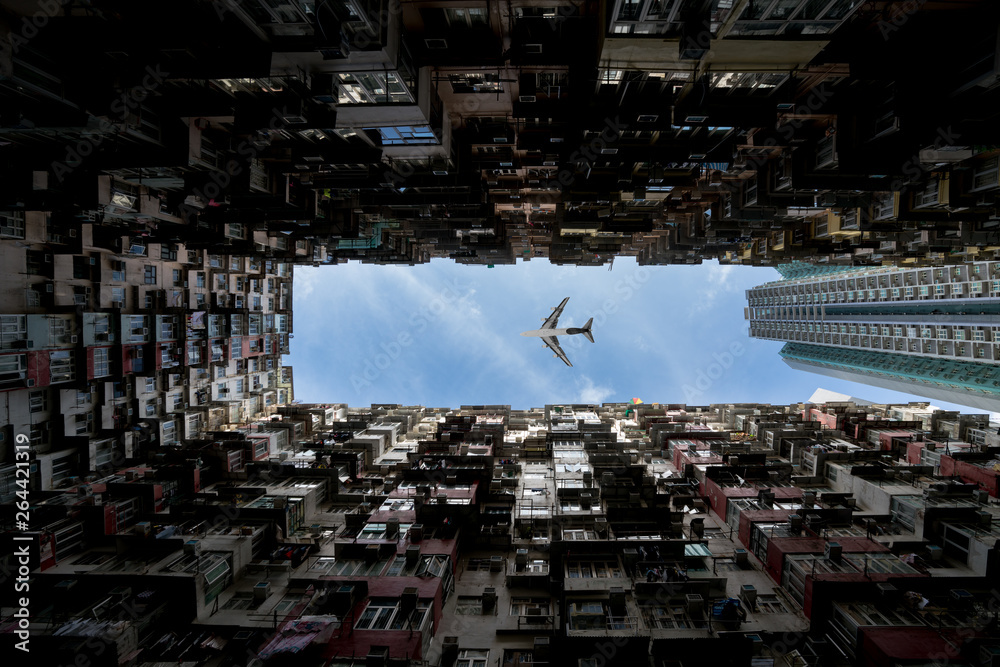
[(408, 600), (261, 591), (489, 599)]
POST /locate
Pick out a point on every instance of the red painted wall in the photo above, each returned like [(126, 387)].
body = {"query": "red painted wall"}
[(747, 519), (816, 415), (886, 646), (778, 547), (38, 368), (986, 478)]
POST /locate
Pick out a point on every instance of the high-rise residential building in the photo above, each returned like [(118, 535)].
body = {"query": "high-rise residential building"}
[(934, 332), (674, 131), (567, 535)]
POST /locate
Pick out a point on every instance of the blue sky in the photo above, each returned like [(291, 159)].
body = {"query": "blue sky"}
[(444, 334)]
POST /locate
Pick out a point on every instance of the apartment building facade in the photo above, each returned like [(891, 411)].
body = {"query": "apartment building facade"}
[(929, 330), (564, 534)]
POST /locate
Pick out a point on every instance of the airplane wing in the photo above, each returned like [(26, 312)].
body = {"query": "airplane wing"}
[(550, 323), (554, 346)]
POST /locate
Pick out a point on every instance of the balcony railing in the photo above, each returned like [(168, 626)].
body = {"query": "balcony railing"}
[(604, 623)]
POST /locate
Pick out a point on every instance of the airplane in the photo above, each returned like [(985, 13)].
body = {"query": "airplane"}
[(548, 332)]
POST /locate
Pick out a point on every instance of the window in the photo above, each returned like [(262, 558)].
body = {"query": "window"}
[(476, 82), (406, 135), (591, 615), (61, 366), (372, 88), (218, 577), (12, 328), (12, 224), (769, 603), (431, 566), (284, 604), (669, 616), (358, 568), (34, 261), (81, 267), (466, 17), (552, 83), (83, 423), (239, 601), (473, 657), (529, 607), (385, 614), (149, 274), (38, 401), (469, 605), (102, 364), (579, 534), (597, 569)]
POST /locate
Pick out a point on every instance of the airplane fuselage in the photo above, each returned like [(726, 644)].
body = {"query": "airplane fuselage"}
[(548, 333)]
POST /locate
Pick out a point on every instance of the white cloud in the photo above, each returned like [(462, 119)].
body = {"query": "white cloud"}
[(305, 281), (592, 393)]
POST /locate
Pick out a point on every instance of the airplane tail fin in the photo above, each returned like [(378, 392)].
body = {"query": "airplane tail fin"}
[(586, 330)]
